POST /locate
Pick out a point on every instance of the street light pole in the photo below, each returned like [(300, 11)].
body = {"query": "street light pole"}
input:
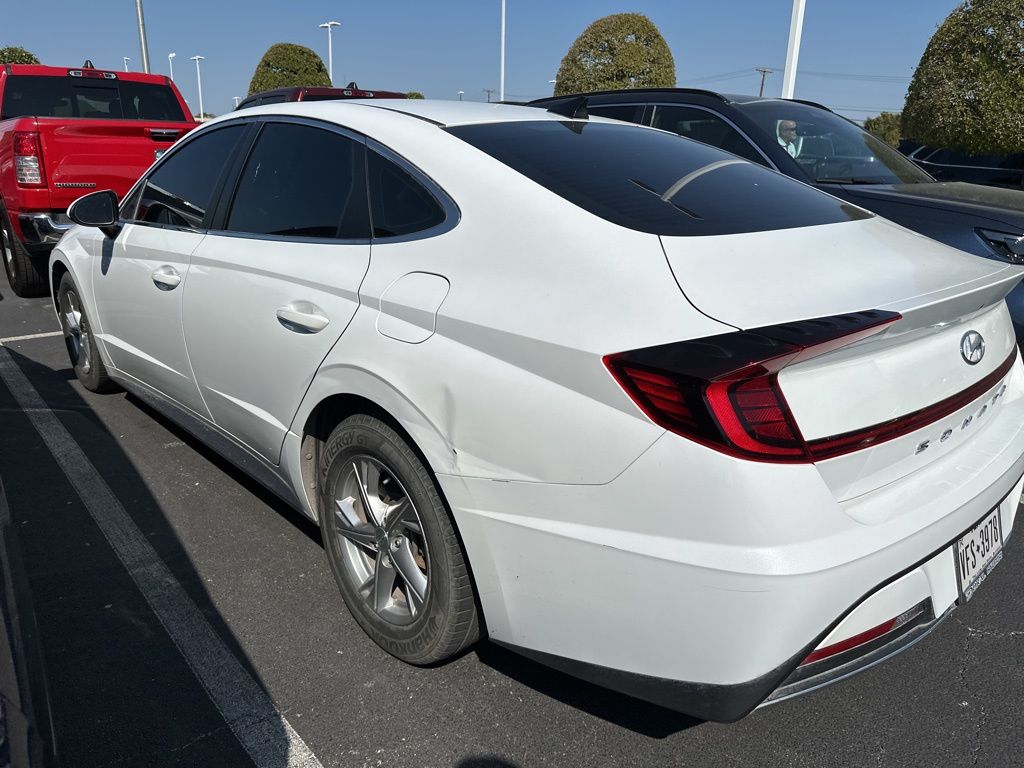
[(142, 36), (460, 95), (501, 79), (796, 28), (237, 99), (126, 60), (199, 83), (329, 26), (170, 63)]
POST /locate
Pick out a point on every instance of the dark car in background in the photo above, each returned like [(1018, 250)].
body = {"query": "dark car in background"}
[(310, 93), (809, 142), (952, 165)]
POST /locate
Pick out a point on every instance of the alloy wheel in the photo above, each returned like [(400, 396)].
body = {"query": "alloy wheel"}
[(384, 551), (76, 331)]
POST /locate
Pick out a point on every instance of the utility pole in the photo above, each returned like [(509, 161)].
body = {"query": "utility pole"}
[(796, 28), (764, 73), (329, 26), (199, 83), (142, 36), (501, 79), (488, 91)]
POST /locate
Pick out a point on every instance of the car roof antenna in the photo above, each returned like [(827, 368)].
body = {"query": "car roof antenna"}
[(575, 109)]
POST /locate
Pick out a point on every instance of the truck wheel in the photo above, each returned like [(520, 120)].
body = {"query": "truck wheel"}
[(25, 273)]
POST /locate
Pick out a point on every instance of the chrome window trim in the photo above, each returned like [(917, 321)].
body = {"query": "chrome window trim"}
[(726, 120)]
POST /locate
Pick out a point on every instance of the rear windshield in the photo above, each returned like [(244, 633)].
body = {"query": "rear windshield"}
[(653, 181), (42, 96)]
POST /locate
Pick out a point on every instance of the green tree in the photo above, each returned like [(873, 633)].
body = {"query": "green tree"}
[(965, 93), (624, 50), (885, 126), (414, 95), (17, 55), (286, 64)]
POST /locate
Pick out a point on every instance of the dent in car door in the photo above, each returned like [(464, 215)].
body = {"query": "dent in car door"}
[(271, 292)]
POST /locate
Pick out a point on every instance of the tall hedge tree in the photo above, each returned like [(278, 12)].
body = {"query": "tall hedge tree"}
[(967, 88), (15, 54), (885, 126), (286, 64), (624, 50)]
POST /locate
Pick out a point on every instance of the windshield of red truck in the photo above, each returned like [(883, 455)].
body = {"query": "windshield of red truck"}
[(42, 96)]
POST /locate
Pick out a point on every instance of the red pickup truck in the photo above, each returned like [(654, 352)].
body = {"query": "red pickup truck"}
[(65, 133)]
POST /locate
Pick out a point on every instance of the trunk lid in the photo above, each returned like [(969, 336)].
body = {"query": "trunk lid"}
[(911, 372)]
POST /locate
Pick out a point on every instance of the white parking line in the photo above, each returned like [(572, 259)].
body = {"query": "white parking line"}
[(47, 335), (248, 710)]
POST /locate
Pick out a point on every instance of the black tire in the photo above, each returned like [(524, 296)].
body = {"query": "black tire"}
[(444, 620), (82, 350), (26, 273)]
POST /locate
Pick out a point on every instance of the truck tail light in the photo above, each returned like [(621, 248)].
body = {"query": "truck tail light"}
[(723, 391), (28, 159)]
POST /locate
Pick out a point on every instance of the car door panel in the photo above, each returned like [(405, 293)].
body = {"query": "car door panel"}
[(251, 368)]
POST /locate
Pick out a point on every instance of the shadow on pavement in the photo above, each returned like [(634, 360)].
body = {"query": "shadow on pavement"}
[(619, 709), (121, 690)]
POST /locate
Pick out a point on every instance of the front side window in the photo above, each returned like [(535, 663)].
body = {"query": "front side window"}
[(180, 189), (831, 150), (301, 181), (707, 127), (652, 181), (399, 205)]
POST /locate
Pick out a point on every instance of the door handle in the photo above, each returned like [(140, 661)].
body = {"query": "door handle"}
[(166, 278), (302, 317)]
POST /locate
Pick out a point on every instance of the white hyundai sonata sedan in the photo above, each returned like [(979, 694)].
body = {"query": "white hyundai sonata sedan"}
[(629, 405)]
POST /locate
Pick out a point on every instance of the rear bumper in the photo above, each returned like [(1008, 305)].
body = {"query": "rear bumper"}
[(701, 582), (43, 230)]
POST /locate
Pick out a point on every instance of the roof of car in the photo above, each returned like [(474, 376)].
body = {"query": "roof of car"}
[(110, 74), (438, 112), (647, 94)]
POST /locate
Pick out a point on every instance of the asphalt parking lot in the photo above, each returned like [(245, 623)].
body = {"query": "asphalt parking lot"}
[(133, 683)]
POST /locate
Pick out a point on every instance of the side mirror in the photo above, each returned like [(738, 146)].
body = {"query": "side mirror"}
[(98, 209)]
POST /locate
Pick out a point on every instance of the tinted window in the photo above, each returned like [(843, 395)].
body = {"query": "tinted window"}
[(829, 148), (41, 96), (301, 181), (181, 188), (707, 127), (632, 113), (279, 98), (952, 157), (399, 205), (652, 181)]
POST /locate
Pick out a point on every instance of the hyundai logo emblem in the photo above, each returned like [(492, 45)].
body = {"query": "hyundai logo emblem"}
[(972, 347)]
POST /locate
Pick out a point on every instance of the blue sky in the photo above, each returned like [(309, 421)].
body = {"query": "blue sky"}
[(440, 48)]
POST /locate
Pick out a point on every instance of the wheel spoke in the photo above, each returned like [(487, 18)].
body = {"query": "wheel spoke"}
[(368, 484), (351, 527), (401, 515), (415, 579), (383, 578)]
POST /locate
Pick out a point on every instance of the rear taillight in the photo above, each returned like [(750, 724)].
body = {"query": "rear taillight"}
[(723, 391), (28, 159)]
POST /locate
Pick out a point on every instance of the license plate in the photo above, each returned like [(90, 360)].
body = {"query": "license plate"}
[(977, 552)]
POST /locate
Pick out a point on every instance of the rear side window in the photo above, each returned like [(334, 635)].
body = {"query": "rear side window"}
[(399, 205), (707, 127), (301, 181), (652, 181), (42, 96), (181, 188)]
